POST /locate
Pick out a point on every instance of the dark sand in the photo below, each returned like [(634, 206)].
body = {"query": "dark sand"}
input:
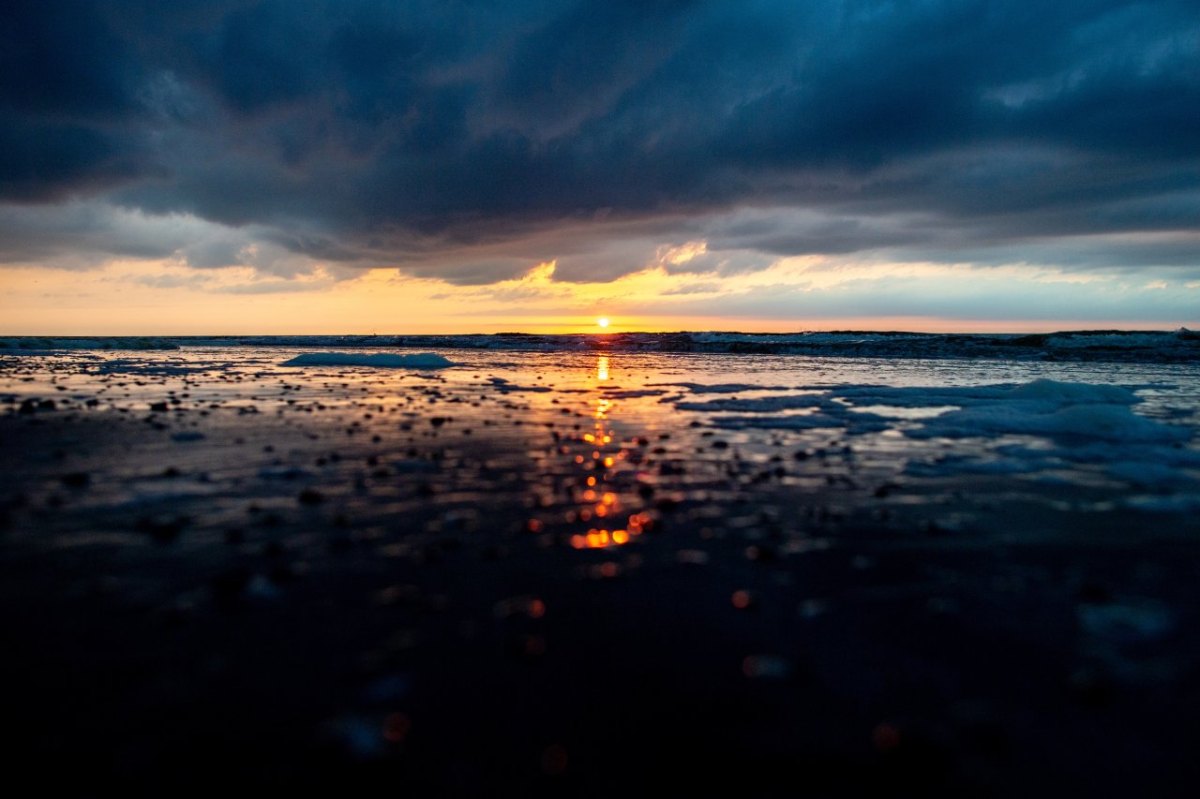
[(397, 594)]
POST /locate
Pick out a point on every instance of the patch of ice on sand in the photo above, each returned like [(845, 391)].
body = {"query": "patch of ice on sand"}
[(1071, 421), (1050, 393), (385, 360), (1057, 410), (1075, 393), (1083, 423)]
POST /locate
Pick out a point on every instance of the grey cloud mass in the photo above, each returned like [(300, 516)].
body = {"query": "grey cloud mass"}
[(469, 140)]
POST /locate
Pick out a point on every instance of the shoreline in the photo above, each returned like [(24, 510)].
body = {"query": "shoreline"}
[(1145, 346)]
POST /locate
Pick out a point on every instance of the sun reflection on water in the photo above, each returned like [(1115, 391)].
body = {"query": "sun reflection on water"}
[(601, 501)]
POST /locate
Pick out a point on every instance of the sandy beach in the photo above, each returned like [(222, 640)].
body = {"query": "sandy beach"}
[(586, 574)]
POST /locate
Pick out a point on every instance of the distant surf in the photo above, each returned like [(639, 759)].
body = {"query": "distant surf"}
[(1182, 345)]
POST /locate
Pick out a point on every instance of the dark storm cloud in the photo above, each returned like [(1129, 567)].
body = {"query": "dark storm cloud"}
[(389, 132), (65, 103)]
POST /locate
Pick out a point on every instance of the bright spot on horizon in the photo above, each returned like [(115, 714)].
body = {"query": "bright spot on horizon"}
[(602, 321)]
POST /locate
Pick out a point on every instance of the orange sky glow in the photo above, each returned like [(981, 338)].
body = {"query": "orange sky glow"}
[(132, 297)]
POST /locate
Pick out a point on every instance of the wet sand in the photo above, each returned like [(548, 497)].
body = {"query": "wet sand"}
[(492, 582)]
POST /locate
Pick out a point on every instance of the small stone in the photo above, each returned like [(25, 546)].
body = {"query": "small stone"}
[(771, 667), (310, 496), (760, 553), (76, 479), (743, 600), (554, 760), (163, 530)]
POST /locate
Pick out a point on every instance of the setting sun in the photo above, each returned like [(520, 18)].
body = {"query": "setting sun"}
[(602, 321)]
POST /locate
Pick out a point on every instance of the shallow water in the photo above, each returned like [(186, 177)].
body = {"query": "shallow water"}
[(754, 403), (821, 575)]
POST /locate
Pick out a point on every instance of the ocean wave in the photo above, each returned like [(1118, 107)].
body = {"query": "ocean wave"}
[(35, 344), (1177, 346)]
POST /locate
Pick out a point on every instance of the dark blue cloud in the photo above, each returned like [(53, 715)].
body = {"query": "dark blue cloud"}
[(43, 161), (62, 59), (66, 99), (362, 131)]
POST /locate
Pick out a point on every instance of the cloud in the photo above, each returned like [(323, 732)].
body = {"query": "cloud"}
[(472, 141), (965, 295)]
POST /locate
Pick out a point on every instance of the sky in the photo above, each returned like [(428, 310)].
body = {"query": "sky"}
[(340, 166)]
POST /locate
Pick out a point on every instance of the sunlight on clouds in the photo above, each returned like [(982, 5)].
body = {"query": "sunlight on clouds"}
[(542, 273), (802, 293), (209, 278), (680, 254), (825, 272)]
